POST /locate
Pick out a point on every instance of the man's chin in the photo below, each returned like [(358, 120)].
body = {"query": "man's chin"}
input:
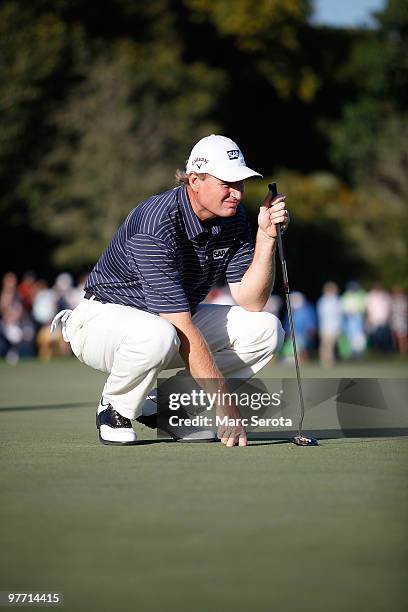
[(230, 211)]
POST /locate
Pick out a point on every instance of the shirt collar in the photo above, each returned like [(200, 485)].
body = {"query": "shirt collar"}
[(194, 227)]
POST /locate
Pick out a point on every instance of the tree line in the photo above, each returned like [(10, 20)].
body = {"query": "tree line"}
[(101, 102)]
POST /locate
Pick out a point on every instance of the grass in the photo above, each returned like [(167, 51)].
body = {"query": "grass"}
[(198, 528)]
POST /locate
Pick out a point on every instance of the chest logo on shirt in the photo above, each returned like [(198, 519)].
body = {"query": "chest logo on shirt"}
[(219, 253)]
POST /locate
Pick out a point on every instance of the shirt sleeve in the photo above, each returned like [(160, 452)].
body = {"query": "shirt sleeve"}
[(242, 258), (154, 263)]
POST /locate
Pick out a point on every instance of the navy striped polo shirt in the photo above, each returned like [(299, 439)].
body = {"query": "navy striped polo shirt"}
[(164, 259)]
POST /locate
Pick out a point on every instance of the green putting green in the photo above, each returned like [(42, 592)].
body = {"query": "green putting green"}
[(200, 528)]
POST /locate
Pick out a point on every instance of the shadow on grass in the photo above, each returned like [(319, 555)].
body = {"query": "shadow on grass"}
[(46, 407), (268, 442), (250, 444), (155, 441)]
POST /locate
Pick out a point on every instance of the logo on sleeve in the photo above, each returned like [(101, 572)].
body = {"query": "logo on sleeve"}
[(219, 253), (234, 154)]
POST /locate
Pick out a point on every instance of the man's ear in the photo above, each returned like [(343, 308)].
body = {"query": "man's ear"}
[(193, 181)]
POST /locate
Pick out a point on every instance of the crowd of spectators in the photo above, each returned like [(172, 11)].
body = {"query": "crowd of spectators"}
[(358, 320), (27, 308), (338, 326)]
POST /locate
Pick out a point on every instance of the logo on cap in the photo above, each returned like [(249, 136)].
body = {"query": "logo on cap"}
[(199, 161), (234, 154)]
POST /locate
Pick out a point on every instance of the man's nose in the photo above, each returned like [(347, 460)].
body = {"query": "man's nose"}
[(236, 191)]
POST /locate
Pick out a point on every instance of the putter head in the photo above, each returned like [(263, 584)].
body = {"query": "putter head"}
[(304, 441)]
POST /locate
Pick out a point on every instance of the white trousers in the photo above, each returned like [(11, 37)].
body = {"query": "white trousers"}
[(134, 346)]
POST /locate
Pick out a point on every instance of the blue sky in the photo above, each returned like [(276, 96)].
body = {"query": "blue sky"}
[(345, 12)]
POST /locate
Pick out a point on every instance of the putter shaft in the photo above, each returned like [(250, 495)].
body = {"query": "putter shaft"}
[(274, 190)]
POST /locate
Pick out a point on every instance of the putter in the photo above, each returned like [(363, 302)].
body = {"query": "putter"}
[(299, 439)]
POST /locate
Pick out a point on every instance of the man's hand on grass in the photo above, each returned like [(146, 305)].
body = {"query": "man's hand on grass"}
[(232, 434)]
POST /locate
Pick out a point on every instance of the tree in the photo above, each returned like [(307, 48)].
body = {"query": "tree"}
[(369, 143), (269, 31), (379, 67), (37, 54), (122, 133), (92, 122)]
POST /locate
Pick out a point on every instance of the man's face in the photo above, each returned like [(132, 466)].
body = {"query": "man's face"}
[(212, 197)]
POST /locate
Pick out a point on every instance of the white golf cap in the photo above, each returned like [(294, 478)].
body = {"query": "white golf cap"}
[(221, 157)]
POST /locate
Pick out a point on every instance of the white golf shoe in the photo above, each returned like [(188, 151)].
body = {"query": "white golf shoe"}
[(113, 427)]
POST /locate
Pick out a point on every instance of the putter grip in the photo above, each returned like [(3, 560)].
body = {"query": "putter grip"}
[(273, 188)]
